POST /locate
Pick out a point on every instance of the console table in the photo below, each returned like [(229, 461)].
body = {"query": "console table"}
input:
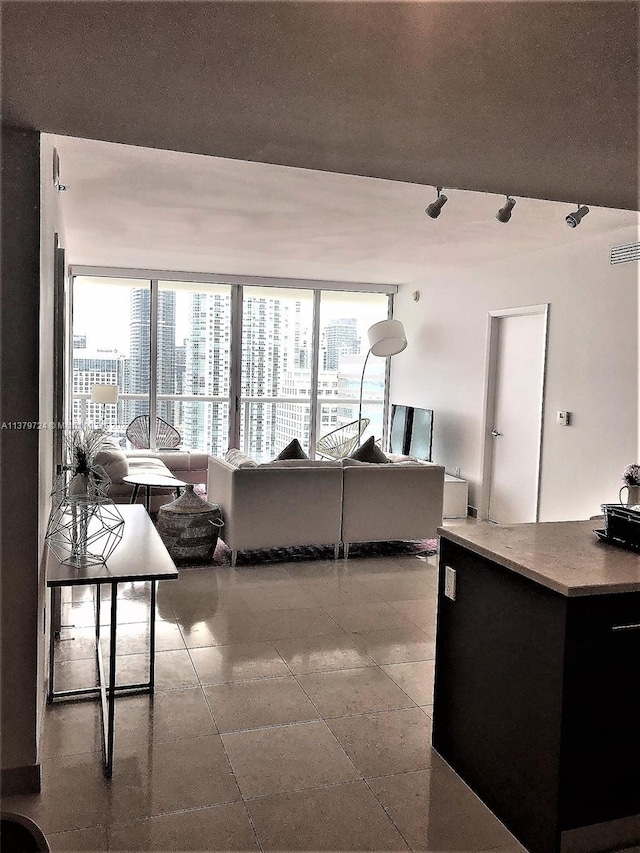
[(537, 680), (140, 556)]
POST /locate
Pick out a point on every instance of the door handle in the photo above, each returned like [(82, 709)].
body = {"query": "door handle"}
[(495, 433)]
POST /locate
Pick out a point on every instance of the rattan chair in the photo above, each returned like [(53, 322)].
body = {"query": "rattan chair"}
[(167, 437), (341, 441)]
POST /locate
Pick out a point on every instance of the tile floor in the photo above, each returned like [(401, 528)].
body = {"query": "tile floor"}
[(292, 712)]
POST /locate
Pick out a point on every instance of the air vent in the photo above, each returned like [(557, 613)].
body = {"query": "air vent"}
[(626, 253)]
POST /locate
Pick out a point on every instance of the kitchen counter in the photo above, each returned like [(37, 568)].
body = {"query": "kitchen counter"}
[(565, 556), (537, 680)]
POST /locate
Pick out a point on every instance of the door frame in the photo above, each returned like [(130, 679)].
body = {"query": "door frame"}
[(489, 403)]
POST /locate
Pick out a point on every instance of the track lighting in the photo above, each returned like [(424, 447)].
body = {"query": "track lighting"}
[(504, 214), (574, 219), (436, 206)]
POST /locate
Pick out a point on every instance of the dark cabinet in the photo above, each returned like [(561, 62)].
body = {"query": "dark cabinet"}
[(537, 698)]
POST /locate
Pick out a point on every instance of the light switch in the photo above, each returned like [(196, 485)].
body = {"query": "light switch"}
[(563, 418)]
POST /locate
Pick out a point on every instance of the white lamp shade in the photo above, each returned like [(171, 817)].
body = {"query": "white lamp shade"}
[(387, 338), (107, 394)]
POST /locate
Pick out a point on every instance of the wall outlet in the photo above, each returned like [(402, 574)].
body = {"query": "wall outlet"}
[(563, 418), (450, 583), (457, 472)]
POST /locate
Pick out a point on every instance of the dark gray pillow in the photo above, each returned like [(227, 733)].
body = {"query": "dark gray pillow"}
[(293, 450), (369, 452)]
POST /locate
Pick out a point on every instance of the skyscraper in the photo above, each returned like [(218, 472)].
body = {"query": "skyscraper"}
[(96, 367), (206, 372), (340, 338), (137, 381)]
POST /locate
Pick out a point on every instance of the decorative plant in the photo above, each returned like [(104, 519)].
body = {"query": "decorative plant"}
[(83, 445), (84, 525), (83, 476), (631, 475)]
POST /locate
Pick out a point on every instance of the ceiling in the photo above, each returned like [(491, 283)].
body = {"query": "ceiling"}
[(128, 206), (537, 99)]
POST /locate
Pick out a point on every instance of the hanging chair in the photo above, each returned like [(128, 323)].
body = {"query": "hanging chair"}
[(341, 441), (167, 437)]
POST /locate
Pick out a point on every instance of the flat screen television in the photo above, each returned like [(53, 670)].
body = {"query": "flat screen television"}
[(411, 431)]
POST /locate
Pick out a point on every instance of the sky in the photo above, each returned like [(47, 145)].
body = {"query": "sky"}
[(101, 311)]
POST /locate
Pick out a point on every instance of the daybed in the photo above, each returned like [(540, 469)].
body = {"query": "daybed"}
[(304, 502)]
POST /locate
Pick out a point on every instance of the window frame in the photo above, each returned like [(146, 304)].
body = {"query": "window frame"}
[(236, 283)]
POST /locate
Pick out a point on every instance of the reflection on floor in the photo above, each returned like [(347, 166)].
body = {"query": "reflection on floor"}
[(292, 712)]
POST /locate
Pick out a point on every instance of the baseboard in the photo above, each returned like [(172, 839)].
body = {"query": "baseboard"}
[(614, 834), (20, 780)]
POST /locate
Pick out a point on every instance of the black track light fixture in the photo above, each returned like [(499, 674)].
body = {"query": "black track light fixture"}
[(504, 214), (436, 206), (574, 219)]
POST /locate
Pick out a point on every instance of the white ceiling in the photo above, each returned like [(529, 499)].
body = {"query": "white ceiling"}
[(135, 207)]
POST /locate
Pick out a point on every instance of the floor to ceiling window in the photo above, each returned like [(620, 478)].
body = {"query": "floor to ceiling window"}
[(194, 362), (111, 346), (277, 357), (344, 320), (292, 370)]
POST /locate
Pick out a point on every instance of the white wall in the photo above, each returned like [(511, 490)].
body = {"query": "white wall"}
[(592, 364), (50, 224)]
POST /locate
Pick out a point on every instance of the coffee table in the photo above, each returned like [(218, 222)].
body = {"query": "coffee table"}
[(152, 481)]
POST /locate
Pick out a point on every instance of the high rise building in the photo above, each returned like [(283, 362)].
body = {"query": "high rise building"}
[(96, 367), (265, 353), (340, 337), (206, 372), (139, 341)]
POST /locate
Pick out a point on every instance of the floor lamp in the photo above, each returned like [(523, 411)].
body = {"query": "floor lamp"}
[(385, 338), (105, 394)]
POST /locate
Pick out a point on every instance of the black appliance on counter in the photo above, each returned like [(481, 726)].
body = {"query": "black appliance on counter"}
[(621, 526)]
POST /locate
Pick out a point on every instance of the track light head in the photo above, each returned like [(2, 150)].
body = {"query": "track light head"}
[(504, 214), (433, 210), (574, 219)]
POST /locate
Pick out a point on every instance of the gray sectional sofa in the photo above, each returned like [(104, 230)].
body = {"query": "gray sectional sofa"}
[(187, 465), (304, 502)]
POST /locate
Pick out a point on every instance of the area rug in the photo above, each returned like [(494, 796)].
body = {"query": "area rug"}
[(422, 548)]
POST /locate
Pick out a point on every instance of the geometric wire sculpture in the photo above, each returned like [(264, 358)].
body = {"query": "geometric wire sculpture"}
[(85, 525), (84, 531)]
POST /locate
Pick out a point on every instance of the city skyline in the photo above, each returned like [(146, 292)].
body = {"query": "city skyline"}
[(276, 358)]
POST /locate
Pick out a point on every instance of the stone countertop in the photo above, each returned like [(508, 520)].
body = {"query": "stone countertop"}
[(565, 556)]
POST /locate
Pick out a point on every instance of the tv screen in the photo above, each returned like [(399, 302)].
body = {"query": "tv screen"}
[(411, 431)]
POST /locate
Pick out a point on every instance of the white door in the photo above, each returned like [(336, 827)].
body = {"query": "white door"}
[(516, 426)]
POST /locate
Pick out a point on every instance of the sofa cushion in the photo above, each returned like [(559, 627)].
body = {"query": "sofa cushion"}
[(239, 459), (114, 461), (400, 457), (301, 463), (369, 452), (293, 450)]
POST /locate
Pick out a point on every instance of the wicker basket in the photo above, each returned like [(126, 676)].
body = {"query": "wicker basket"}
[(189, 527)]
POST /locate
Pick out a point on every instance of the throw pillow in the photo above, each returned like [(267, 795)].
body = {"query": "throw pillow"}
[(114, 461), (293, 450), (239, 459), (369, 452)]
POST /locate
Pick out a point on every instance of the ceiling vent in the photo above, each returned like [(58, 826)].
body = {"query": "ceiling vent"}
[(626, 253)]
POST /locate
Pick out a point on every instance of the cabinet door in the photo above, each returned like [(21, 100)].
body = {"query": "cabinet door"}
[(600, 767), (498, 691)]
